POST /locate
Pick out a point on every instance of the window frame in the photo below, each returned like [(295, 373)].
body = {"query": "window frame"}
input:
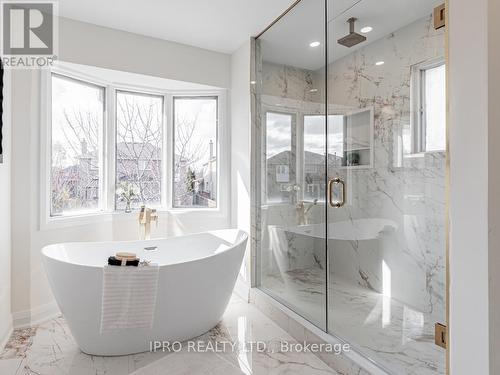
[(46, 150), (289, 107), (294, 128), (172, 153), (107, 210), (164, 125), (417, 100)]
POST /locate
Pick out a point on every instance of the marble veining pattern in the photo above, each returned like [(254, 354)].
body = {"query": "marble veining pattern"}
[(405, 188), (49, 349), (398, 336)]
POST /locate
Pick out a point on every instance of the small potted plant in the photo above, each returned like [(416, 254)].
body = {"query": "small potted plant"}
[(126, 193)]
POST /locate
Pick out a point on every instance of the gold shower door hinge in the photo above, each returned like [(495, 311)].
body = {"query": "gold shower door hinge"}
[(440, 335), (439, 16)]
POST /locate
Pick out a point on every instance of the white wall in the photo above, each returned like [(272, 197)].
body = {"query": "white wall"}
[(83, 43), (494, 181), (31, 296), (5, 207), (471, 170), (240, 151)]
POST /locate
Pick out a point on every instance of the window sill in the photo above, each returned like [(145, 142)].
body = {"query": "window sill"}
[(289, 204), (68, 221)]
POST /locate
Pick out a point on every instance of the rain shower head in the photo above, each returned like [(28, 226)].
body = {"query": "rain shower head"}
[(353, 38)]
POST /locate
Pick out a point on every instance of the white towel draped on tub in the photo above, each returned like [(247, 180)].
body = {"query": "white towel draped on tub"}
[(128, 297)]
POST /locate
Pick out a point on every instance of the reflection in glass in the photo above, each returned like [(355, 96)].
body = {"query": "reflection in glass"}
[(279, 157), (292, 114), (435, 108), (384, 248)]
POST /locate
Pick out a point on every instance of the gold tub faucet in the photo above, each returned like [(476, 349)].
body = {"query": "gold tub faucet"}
[(146, 216), (303, 209)]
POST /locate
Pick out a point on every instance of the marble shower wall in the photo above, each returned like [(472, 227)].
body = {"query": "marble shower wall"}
[(285, 81), (408, 189)]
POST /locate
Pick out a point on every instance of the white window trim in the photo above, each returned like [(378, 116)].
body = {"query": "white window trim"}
[(107, 210), (294, 126), (417, 121), (219, 129)]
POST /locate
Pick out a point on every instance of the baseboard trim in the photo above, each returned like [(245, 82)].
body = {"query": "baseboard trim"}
[(37, 315), (5, 336)]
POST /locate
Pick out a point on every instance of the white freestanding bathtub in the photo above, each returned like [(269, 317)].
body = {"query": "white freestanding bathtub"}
[(196, 278), (355, 249)]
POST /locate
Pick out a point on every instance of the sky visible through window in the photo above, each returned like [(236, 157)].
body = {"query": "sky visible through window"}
[(435, 108), (278, 133), (77, 147), (73, 100), (195, 148), (77, 125), (139, 138), (314, 134)]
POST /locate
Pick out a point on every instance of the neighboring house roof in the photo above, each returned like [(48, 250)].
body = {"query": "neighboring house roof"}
[(311, 158), (130, 150)]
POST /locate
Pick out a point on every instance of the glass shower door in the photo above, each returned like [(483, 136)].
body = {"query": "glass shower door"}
[(386, 167), (291, 110)]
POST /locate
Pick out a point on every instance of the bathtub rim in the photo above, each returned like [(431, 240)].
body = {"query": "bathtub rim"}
[(244, 237), (293, 229)]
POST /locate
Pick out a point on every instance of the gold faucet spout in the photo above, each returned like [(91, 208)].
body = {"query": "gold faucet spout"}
[(303, 210), (146, 216)]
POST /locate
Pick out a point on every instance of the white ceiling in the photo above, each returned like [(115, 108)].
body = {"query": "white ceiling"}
[(287, 42), (218, 25)]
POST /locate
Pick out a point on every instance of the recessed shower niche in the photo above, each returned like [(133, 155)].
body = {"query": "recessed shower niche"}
[(350, 171)]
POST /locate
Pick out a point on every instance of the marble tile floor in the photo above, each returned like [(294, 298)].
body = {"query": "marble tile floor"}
[(394, 335), (49, 349)]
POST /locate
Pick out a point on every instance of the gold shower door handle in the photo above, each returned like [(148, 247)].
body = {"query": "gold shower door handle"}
[(331, 183)]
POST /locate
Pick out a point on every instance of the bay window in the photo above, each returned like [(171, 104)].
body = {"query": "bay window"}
[(112, 146), (76, 146)]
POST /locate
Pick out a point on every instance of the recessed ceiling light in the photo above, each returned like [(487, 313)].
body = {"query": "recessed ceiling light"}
[(366, 29), (313, 90), (253, 82), (378, 63), (314, 44)]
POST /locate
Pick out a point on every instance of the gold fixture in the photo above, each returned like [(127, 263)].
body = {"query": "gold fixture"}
[(440, 335), (353, 38), (303, 208), (440, 16), (278, 18), (146, 216), (331, 183)]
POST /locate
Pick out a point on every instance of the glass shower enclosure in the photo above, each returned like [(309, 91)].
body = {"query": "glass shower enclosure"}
[(350, 148)]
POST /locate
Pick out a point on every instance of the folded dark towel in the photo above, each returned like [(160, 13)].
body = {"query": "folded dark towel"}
[(112, 261)]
